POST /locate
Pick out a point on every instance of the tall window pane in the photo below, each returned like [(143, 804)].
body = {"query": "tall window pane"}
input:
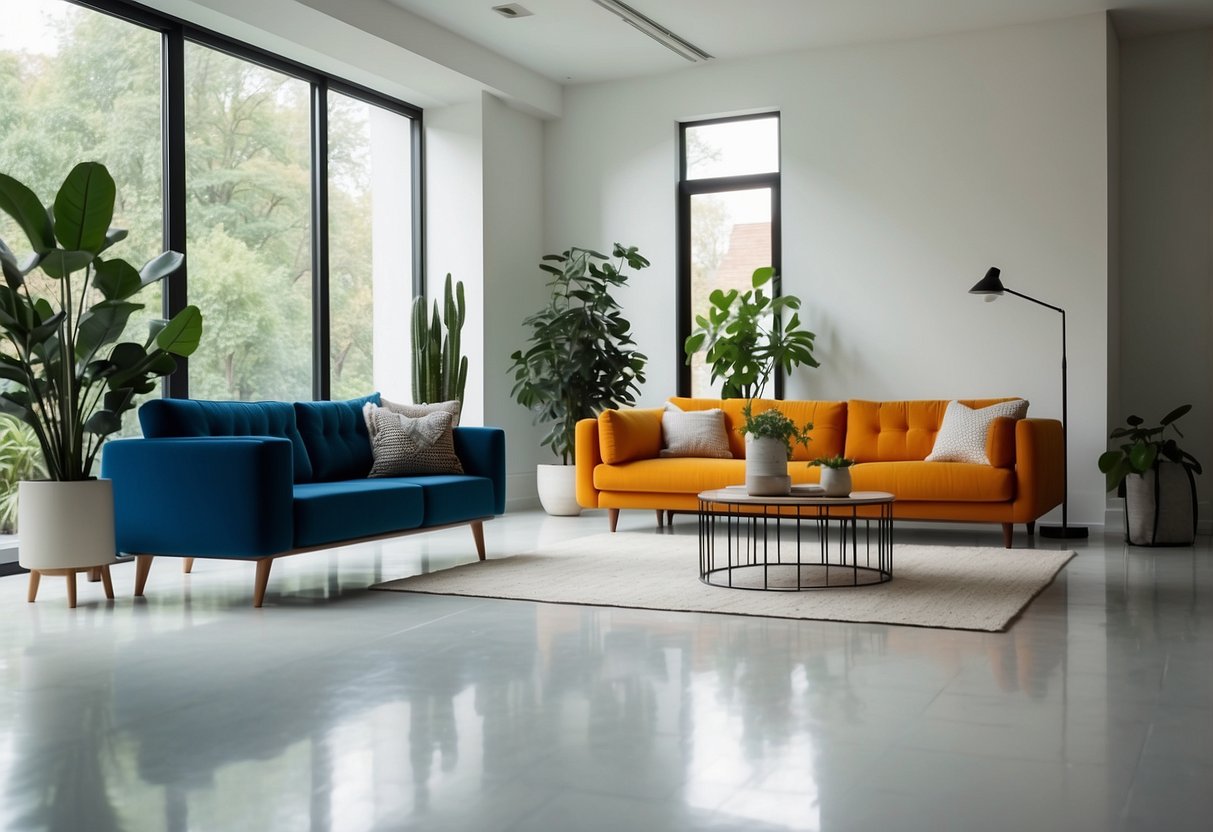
[(77, 85), (729, 220), (730, 238), (248, 163), (370, 248)]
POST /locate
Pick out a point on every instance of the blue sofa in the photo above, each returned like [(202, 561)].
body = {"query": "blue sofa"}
[(259, 480)]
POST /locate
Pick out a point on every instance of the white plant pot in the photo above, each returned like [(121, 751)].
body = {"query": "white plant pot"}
[(65, 525), (558, 490), (766, 467), (1169, 521), (836, 481)]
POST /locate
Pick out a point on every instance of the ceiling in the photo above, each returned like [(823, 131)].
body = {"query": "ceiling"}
[(576, 41)]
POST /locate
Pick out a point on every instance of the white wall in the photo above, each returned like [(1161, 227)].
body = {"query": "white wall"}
[(908, 169), (1166, 253), (484, 219), (514, 286)]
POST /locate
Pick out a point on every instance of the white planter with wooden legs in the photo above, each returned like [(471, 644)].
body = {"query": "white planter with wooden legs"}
[(65, 528)]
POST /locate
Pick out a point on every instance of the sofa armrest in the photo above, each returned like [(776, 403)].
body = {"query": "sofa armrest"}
[(482, 452), (1039, 468), (587, 457), (216, 496)]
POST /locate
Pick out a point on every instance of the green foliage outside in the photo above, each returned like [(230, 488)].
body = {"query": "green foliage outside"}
[(20, 459), (96, 95)]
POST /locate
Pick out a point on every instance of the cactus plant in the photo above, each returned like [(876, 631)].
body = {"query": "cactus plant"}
[(440, 372)]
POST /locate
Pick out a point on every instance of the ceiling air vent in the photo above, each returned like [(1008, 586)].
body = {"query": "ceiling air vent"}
[(512, 10)]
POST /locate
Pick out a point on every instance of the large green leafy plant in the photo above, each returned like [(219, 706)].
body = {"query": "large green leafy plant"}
[(580, 361), (746, 338), (64, 371), (1145, 447)]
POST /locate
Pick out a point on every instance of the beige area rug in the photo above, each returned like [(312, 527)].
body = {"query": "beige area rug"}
[(964, 588)]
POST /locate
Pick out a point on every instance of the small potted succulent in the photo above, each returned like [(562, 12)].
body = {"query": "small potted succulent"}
[(1158, 481), (835, 474), (768, 447)]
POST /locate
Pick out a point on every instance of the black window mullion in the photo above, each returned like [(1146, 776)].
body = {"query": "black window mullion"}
[(418, 229), (176, 385), (321, 365)]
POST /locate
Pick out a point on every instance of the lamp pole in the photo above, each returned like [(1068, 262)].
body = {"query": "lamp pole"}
[(991, 284)]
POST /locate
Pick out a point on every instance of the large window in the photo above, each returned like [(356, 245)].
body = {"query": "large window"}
[(370, 187), (728, 220), (292, 194)]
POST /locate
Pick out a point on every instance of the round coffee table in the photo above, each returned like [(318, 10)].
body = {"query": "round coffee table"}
[(802, 541)]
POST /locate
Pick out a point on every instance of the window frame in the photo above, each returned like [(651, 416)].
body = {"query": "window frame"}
[(175, 32), (688, 188)]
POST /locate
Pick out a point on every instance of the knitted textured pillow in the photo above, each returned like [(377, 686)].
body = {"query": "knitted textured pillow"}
[(694, 433), (962, 436), (413, 410), (403, 445)]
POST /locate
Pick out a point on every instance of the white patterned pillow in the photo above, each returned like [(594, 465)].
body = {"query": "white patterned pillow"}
[(402, 445), (698, 433), (962, 436)]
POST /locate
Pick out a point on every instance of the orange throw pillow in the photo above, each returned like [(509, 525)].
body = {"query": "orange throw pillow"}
[(625, 435)]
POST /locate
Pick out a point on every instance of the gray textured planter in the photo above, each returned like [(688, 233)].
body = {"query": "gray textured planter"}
[(1160, 506), (766, 468)]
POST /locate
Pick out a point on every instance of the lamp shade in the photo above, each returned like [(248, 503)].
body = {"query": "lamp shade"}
[(991, 284)]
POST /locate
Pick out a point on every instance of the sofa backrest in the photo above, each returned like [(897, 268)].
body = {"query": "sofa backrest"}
[(161, 418), (330, 439), (829, 422), (904, 430), (336, 437)]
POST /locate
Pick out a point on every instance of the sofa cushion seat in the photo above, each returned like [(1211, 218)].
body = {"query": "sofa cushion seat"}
[(451, 498), (672, 475), (936, 481), (326, 512)]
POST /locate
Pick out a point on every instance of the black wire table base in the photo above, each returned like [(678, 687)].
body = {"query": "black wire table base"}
[(793, 545)]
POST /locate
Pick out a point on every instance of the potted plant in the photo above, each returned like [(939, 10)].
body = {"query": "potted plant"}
[(64, 371), (1158, 480), (746, 338), (768, 447), (835, 475), (580, 360), (440, 372)]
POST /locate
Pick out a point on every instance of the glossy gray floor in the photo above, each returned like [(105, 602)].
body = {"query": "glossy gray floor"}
[(336, 708)]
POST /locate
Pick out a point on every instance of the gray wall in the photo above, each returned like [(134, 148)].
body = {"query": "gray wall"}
[(1166, 235)]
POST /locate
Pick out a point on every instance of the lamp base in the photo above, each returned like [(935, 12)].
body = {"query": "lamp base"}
[(1065, 532)]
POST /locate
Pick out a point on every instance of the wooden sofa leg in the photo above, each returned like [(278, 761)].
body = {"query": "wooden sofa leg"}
[(35, 578), (263, 579), (660, 518), (1031, 529), (94, 574), (143, 565), (1008, 531), (478, 536), (613, 517), (70, 574), (187, 565), (107, 582)]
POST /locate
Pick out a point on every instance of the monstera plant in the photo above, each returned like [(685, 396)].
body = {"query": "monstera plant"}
[(63, 369)]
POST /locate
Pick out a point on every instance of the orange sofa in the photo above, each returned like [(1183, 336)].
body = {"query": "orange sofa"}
[(618, 462)]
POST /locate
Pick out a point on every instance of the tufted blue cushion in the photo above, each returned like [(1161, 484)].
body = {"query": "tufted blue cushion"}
[(336, 438), (329, 512), (162, 418)]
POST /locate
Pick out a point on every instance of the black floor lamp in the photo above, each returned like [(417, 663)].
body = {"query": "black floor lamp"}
[(991, 286)]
